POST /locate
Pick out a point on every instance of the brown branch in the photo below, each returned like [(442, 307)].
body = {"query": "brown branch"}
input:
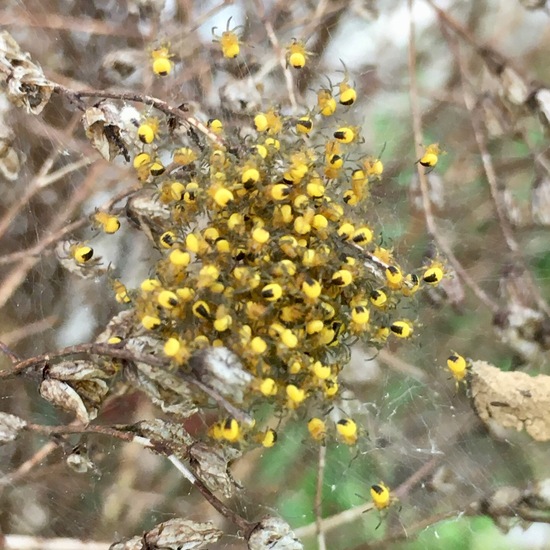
[(80, 429), (31, 329), (115, 352), (243, 524), (162, 106), (87, 25), (14, 358), (17, 275), (56, 236), (279, 53), (158, 447), (495, 186), (35, 460), (30, 542), (431, 226)]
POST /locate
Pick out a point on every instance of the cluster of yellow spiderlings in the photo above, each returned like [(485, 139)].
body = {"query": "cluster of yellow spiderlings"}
[(266, 251), (264, 254)]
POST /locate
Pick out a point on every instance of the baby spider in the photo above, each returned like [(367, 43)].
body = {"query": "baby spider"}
[(229, 41)]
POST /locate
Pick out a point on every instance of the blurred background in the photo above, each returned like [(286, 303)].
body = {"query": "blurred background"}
[(479, 69)]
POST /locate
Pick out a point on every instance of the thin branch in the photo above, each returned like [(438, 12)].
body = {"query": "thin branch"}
[(56, 236), (31, 329), (120, 353), (14, 358), (321, 543), (278, 53), (35, 460), (18, 274), (162, 106), (87, 25), (43, 179), (29, 542), (246, 526), (158, 447), (490, 172), (353, 514), (424, 187)]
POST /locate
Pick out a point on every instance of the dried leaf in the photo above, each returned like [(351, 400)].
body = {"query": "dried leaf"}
[(62, 395), (542, 104), (223, 371), (75, 370), (165, 389), (10, 426), (174, 534), (86, 379), (148, 214), (102, 126), (26, 86), (174, 434), (512, 399), (523, 328), (93, 393), (80, 462), (514, 88), (275, 534), (10, 160), (211, 465), (121, 325)]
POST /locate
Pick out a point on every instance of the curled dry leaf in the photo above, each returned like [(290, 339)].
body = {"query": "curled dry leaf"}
[(211, 465), (80, 462), (540, 201), (102, 126), (25, 85), (222, 370), (62, 395), (512, 399), (165, 389), (86, 379), (147, 213), (161, 430), (275, 534), (10, 426), (525, 329), (10, 158), (10, 163), (514, 87), (121, 325), (75, 370), (174, 534), (542, 105)]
